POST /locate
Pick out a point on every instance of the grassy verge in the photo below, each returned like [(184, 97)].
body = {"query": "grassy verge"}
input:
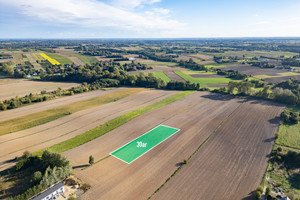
[(162, 76), (42, 117), (289, 134), (86, 59), (203, 81), (59, 58), (111, 125)]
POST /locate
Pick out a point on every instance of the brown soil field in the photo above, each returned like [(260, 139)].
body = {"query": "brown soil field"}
[(74, 59), (233, 161), (280, 79), (197, 115), (11, 88), (198, 58), (250, 70), (38, 107), (62, 129), (36, 65), (173, 76)]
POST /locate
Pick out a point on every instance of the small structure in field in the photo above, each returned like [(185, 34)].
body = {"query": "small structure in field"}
[(51, 193), (131, 59)]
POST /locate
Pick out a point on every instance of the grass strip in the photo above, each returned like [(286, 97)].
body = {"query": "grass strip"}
[(111, 125), (86, 59), (203, 81), (42, 117), (162, 76), (61, 59)]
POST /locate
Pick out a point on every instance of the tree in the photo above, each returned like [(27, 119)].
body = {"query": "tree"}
[(257, 194), (285, 116), (268, 191), (37, 177), (91, 160)]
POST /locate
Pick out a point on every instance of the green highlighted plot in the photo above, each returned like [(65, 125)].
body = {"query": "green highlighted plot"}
[(141, 145)]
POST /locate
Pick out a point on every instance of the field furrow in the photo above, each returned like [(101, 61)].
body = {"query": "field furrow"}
[(232, 163), (197, 115)]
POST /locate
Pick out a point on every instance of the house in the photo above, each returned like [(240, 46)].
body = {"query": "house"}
[(131, 59), (51, 193)]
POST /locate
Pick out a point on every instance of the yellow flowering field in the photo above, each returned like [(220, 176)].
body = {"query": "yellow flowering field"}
[(51, 60)]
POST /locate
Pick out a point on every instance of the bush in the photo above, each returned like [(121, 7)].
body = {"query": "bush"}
[(260, 189), (257, 195), (185, 161), (91, 160), (85, 187), (268, 191), (37, 177)]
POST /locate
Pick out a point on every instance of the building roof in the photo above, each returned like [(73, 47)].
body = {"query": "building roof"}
[(49, 191)]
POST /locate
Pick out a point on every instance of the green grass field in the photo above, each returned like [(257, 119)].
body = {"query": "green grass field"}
[(39, 118), (111, 125), (141, 145), (289, 135), (89, 60), (162, 76), (203, 81), (59, 58)]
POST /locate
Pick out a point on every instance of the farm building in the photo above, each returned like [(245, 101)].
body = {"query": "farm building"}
[(51, 193)]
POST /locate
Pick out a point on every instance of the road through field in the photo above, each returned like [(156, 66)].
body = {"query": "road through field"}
[(197, 115), (59, 130), (232, 163)]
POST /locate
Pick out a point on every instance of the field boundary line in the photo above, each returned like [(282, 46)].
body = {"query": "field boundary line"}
[(199, 147), (141, 136)]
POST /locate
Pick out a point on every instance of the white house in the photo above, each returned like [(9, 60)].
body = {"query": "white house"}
[(51, 193)]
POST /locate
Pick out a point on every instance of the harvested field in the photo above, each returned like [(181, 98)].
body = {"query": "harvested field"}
[(250, 70), (42, 106), (173, 76), (11, 88), (114, 179), (233, 161), (51, 133), (280, 79)]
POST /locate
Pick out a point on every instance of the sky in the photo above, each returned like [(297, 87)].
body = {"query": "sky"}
[(149, 18)]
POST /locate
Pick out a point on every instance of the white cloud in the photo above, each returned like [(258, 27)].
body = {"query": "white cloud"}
[(92, 13), (133, 3)]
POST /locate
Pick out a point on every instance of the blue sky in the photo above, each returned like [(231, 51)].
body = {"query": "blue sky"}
[(148, 18)]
